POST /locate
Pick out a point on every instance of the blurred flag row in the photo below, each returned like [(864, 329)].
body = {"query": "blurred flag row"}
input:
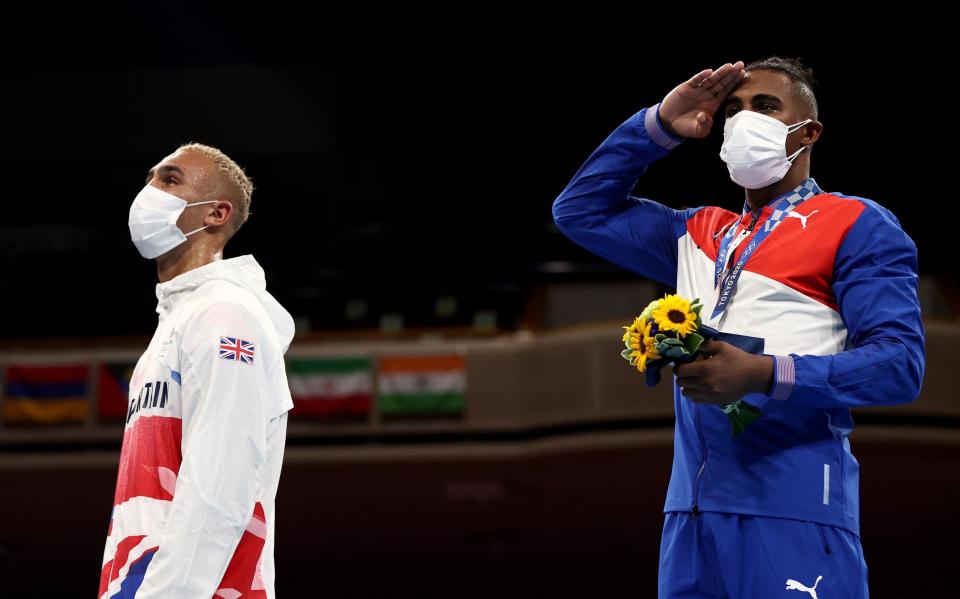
[(323, 388)]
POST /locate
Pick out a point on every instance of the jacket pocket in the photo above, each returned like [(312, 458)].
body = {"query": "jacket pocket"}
[(823, 539)]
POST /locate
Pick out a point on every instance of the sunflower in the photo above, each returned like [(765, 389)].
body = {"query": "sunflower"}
[(632, 330), (674, 314), (640, 344)]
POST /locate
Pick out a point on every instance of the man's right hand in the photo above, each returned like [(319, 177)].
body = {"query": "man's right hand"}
[(688, 110)]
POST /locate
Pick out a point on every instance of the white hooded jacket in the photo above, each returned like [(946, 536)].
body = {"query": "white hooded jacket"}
[(203, 444)]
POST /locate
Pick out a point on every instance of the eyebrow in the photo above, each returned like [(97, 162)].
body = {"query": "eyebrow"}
[(168, 168), (755, 99)]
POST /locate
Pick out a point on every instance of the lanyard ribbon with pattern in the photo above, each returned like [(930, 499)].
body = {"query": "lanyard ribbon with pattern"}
[(725, 281)]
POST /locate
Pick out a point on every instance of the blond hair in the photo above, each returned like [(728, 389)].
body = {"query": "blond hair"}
[(236, 180)]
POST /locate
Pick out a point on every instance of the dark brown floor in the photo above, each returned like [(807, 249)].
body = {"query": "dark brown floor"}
[(578, 524)]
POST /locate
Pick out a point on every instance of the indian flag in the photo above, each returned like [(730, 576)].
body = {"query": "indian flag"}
[(330, 386), (419, 384)]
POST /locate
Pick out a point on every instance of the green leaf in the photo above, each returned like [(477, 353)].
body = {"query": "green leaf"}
[(693, 342), (659, 337), (741, 415), (670, 350), (625, 354)]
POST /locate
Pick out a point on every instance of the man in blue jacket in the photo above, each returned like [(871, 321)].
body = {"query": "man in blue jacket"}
[(815, 297)]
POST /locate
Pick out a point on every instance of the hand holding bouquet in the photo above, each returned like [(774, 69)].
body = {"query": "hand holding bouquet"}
[(670, 331)]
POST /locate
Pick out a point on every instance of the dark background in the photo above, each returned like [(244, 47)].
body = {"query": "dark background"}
[(402, 155), (411, 157)]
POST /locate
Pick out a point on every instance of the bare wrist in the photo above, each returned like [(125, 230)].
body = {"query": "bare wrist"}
[(666, 126), (765, 366)]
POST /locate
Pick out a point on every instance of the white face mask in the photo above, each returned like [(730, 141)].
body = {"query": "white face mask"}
[(153, 221), (755, 148)]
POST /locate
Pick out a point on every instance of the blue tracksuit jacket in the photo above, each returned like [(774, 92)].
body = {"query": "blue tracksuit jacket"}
[(831, 294)]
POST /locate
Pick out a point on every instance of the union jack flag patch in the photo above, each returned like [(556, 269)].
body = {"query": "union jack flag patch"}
[(232, 348)]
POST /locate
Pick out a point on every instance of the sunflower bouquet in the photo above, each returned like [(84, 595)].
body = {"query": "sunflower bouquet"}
[(669, 331)]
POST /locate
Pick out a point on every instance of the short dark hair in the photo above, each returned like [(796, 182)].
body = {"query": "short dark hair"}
[(801, 75)]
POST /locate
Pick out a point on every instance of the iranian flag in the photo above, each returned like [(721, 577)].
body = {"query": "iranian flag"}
[(422, 384), (323, 387)]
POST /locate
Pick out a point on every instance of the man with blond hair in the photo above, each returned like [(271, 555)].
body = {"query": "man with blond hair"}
[(193, 511)]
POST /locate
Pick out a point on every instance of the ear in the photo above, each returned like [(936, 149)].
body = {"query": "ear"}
[(811, 132), (220, 214)]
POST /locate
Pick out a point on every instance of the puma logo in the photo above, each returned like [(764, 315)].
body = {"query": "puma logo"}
[(793, 585), (803, 218)]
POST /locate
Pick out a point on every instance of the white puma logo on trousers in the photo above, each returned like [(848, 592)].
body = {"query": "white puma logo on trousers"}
[(793, 585), (803, 218)]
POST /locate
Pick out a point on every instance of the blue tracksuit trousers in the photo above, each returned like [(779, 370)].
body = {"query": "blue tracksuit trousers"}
[(733, 556)]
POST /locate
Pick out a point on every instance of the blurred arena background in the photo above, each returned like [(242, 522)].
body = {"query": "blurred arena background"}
[(404, 179)]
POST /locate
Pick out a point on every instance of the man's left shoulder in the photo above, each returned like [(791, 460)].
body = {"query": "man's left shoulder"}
[(231, 315), (846, 210), (874, 226)]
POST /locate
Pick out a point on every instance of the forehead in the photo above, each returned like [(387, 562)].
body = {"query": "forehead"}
[(771, 83), (194, 165)]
